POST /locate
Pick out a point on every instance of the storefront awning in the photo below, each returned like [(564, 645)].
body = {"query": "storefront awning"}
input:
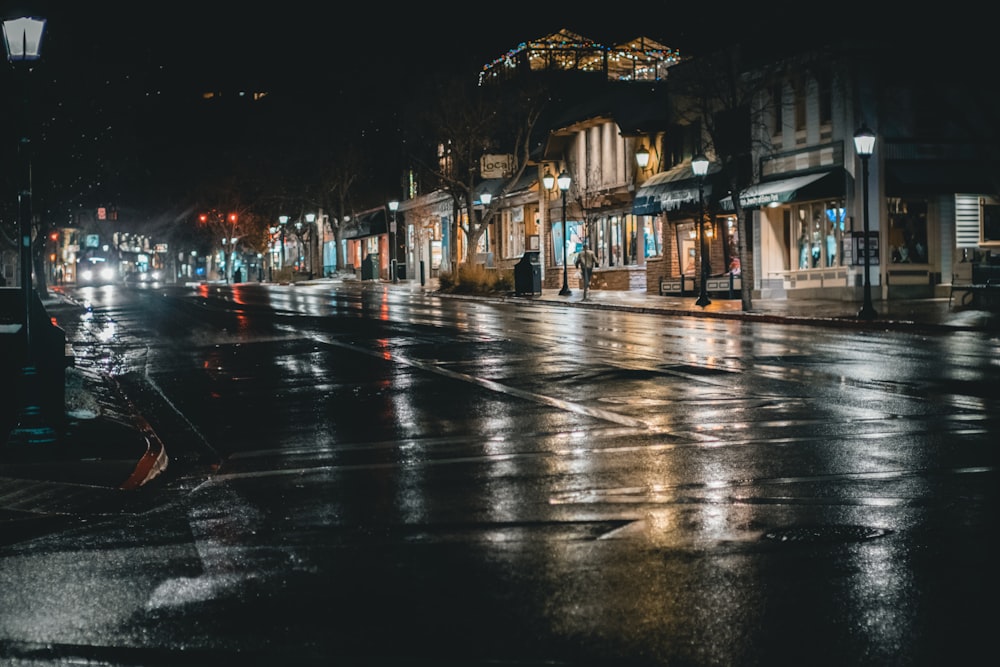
[(368, 223), (819, 185), (670, 190)]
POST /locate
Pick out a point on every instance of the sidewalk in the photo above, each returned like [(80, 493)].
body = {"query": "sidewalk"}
[(109, 448), (104, 446), (913, 314)]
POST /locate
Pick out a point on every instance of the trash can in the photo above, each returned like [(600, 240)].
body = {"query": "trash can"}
[(528, 274), (369, 267)]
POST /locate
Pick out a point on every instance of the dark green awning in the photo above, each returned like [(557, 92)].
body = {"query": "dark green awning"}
[(671, 190), (817, 185)]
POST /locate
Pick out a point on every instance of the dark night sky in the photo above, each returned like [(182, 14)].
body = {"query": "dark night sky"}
[(96, 55), (326, 40), (297, 41)]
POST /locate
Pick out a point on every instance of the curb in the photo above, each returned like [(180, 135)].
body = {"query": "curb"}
[(151, 463)]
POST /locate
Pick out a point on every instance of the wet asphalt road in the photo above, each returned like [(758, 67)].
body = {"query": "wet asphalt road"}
[(366, 476)]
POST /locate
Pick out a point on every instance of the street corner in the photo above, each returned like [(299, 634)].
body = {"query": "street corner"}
[(152, 462), (100, 452)]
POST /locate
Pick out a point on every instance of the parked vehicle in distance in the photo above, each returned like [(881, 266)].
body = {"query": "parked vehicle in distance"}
[(146, 277)]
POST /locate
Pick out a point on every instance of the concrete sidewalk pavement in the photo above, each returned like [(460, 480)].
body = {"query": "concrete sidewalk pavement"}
[(934, 314), (104, 442)]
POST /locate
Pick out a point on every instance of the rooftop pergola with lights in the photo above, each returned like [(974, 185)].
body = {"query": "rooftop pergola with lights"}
[(639, 59)]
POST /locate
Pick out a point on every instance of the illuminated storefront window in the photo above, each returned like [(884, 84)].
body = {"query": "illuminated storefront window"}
[(818, 228)]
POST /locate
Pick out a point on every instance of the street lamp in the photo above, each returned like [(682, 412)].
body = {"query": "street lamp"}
[(699, 165), (486, 198), (271, 231), (299, 257), (548, 180), (564, 183), (642, 156), (393, 207), (864, 144), (283, 223), (22, 39)]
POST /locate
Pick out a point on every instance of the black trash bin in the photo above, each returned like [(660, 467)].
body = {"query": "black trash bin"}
[(528, 274), (369, 267)]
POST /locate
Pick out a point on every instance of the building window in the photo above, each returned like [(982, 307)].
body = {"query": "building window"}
[(573, 242), (800, 105), (907, 237), (819, 233), (776, 104), (652, 235), (825, 84), (687, 253), (990, 223), (513, 235)]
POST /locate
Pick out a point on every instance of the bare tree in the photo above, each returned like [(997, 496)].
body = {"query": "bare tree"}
[(465, 122), (719, 94), (334, 191), (233, 221)]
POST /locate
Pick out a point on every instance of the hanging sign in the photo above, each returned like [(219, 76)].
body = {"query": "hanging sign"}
[(495, 166)]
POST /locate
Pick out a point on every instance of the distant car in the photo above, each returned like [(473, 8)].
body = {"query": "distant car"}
[(144, 277), (96, 273)]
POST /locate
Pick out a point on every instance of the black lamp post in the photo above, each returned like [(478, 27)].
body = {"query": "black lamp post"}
[(300, 257), (282, 222), (23, 39), (394, 238), (486, 198), (699, 165), (272, 231), (864, 144), (564, 183)]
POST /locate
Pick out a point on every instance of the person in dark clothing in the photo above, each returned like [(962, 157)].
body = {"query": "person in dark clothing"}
[(586, 261)]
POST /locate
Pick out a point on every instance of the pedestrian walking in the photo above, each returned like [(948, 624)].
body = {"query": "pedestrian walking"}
[(586, 261)]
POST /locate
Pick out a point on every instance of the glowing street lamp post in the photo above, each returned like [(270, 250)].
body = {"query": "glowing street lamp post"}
[(283, 222), (393, 207), (486, 198), (23, 40), (699, 165), (864, 144), (564, 182)]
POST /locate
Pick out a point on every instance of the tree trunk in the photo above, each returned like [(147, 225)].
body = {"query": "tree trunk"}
[(745, 249)]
